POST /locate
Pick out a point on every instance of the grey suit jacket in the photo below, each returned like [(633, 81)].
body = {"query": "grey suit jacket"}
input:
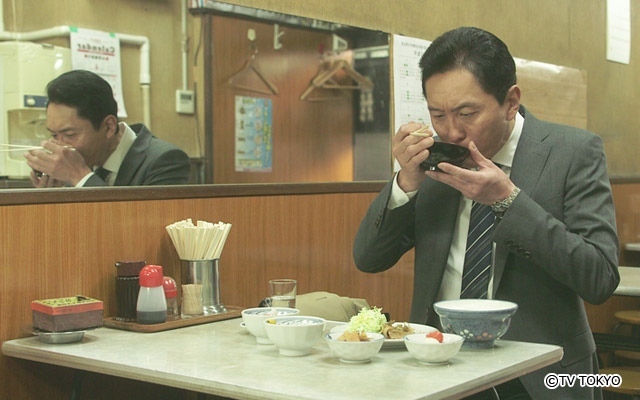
[(555, 247), (149, 161)]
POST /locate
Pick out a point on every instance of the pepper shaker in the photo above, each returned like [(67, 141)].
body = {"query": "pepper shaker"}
[(127, 288)]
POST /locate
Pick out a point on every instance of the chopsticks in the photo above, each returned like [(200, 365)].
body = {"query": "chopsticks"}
[(5, 148), (203, 241), (421, 132)]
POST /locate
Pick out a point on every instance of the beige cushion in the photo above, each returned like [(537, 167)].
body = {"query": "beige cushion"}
[(329, 306)]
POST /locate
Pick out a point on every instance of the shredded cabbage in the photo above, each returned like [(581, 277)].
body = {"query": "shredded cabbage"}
[(367, 320)]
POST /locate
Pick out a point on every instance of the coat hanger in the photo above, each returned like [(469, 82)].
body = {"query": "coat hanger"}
[(251, 66), (324, 79)]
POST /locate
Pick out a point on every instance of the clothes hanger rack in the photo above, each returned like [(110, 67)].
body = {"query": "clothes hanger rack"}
[(251, 66), (325, 79)]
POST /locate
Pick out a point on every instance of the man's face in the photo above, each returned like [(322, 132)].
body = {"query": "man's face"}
[(66, 127), (461, 111)]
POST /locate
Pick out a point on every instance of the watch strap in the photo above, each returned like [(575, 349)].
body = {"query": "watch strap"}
[(501, 206)]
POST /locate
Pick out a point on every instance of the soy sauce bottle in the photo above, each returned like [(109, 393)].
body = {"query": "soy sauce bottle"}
[(152, 305)]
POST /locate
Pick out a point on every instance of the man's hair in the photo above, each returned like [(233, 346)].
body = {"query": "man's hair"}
[(85, 91), (478, 51)]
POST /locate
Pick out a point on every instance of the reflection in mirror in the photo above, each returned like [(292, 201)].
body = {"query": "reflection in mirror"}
[(293, 99), (339, 132)]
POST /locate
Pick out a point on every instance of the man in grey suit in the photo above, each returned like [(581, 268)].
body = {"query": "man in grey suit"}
[(554, 235), (89, 147)]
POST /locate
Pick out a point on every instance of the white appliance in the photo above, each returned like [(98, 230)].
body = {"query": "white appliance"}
[(25, 70)]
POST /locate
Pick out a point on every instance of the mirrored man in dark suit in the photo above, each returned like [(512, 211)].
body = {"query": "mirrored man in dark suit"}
[(90, 147)]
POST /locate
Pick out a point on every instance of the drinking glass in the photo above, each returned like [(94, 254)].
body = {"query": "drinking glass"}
[(283, 292)]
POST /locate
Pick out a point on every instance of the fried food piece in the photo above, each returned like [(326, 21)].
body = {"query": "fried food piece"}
[(353, 337), (396, 332)]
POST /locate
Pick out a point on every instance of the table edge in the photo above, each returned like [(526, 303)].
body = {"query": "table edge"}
[(12, 348)]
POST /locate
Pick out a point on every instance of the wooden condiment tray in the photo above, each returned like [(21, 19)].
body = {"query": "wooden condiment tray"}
[(232, 312)]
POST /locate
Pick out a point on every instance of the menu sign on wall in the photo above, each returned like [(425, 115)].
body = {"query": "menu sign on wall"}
[(409, 103), (253, 134)]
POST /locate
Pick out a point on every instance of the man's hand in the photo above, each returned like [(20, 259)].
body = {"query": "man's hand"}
[(42, 180), (486, 185), (61, 163), (410, 151)]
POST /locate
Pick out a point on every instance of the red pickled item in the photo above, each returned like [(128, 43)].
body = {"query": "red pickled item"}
[(437, 335)]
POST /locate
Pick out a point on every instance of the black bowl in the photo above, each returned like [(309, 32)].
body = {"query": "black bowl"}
[(444, 152)]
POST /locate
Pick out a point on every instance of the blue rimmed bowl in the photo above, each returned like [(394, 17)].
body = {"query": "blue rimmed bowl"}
[(480, 322)]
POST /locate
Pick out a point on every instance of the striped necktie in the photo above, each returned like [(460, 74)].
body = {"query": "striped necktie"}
[(477, 258)]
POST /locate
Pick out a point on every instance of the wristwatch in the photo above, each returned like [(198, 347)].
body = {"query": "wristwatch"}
[(501, 206)]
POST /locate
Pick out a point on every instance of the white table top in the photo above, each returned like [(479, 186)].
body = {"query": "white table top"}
[(222, 358), (629, 281)]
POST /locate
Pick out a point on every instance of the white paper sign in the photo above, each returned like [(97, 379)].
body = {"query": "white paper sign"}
[(99, 52), (618, 31), (409, 103)]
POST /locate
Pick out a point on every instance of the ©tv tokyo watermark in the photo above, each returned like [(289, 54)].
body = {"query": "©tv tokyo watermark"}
[(554, 381)]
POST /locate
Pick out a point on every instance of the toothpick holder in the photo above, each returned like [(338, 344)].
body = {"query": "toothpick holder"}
[(207, 274)]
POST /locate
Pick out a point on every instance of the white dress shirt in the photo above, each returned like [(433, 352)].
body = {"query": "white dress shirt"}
[(452, 279), (114, 161)]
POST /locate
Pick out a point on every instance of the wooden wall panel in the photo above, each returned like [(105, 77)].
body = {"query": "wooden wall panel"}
[(554, 93), (56, 250), (312, 141)]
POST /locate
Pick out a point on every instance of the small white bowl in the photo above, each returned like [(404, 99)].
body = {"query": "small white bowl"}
[(294, 335), (253, 319), (429, 352), (355, 352)]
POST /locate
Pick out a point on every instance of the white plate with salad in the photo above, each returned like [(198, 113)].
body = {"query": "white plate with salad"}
[(372, 320)]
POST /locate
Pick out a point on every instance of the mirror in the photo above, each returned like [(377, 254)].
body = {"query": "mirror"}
[(293, 99), (338, 132)]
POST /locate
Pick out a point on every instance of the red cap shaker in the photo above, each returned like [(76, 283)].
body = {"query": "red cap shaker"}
[(152, 304), (150, 276), (171, 293), (170, 289)]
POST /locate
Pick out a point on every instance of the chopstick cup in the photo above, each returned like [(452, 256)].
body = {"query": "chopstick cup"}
[(203, 241)]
